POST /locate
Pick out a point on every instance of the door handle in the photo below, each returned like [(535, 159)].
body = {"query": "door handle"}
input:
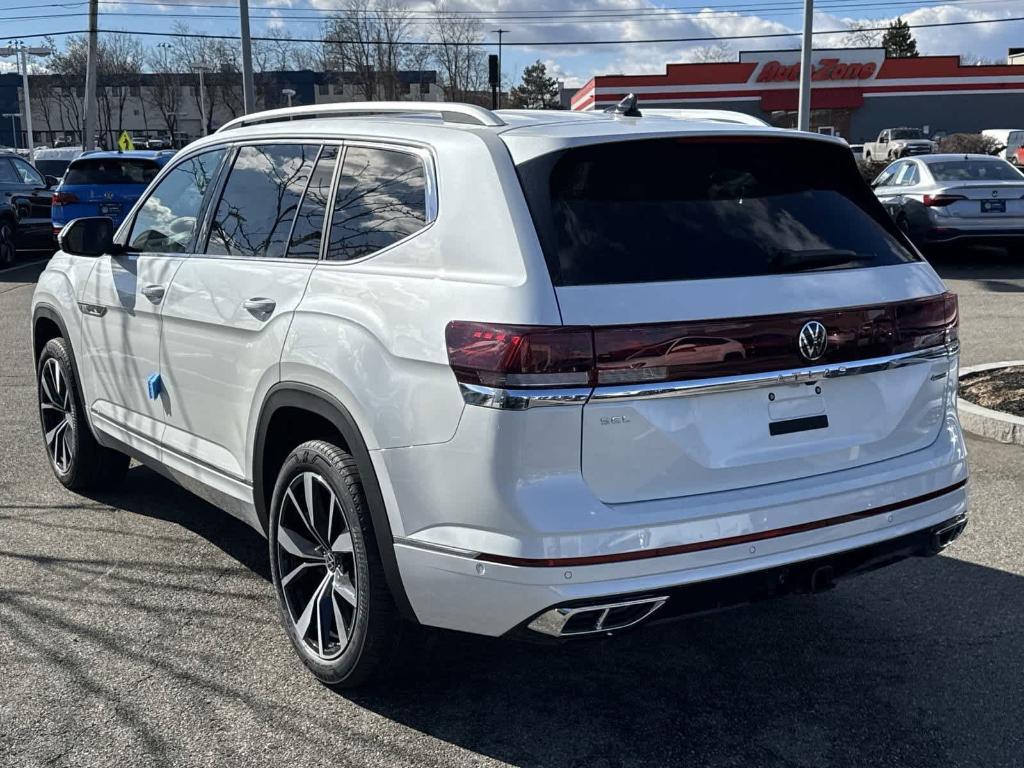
[(260, 308), (155, 293)]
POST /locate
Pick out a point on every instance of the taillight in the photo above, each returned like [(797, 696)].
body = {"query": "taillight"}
[(941, 201), (63, 198), (520, 355), (928, 323)]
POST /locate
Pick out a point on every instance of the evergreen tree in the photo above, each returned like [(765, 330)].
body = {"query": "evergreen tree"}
[(898, 42), (537, 91)]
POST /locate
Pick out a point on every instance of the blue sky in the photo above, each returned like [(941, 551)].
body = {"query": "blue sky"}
[(545, 21)]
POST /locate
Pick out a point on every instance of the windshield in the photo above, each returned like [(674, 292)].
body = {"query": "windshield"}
[(974, 170), (685, 209), (907, 133), (111, 170)]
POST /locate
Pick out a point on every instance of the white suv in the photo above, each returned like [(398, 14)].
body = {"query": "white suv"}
[(547, 374)]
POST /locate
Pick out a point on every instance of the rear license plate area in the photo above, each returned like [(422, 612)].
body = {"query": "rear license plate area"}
[(789, 426), (796, 409), (993, 206), (110, 209)]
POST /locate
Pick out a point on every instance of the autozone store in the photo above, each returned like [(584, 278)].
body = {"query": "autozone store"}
[(856, 92)]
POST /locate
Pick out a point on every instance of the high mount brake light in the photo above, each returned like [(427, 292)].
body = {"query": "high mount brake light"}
[(941, 201), (521, 356)]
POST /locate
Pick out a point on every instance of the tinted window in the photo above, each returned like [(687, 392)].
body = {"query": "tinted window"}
[(308, 228), (907, 133), (677, 209), (27, 173), (52, 167), (381, 199), (255, 213), (167, 220), (102, 170), (974, 170), (908, 176), (886, 177), (7, 174)]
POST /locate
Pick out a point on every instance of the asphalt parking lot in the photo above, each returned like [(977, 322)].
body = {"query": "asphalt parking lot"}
[(139, 628)]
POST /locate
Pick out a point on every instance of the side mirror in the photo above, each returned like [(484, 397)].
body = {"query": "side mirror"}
[(51, 182), (91, 236)]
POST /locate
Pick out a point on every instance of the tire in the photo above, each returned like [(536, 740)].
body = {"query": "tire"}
[(77, 460), (325, 578), (8, 251)]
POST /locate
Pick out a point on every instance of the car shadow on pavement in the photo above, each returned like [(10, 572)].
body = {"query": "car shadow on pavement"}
[(918, 664)]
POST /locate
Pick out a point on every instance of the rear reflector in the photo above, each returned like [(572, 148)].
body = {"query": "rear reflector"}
[(941, 201), (519, 356)]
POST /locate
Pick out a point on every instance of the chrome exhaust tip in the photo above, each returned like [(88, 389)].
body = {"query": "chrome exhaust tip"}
[(943, 537), (582, 620)]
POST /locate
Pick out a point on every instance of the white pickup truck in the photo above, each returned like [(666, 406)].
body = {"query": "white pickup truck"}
[(898, 142)]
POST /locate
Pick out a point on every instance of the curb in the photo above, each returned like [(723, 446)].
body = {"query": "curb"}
[(995, 425)]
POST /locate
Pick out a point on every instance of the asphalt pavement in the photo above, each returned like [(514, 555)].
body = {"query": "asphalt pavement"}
[(139, 628)]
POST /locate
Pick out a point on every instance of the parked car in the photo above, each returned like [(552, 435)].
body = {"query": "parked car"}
[(512, 373), (1018, 158), (1011, 140), (25, 210), (104, 183), (893, 143), (54, 162), (943, 199)]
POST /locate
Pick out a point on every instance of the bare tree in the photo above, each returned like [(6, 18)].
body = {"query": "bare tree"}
[(707, 54), (862, 35), (366, 40), (459, 54), (164, 92)]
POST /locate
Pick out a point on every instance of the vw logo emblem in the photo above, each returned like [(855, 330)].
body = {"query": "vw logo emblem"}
[(812, 340), (995, 193)]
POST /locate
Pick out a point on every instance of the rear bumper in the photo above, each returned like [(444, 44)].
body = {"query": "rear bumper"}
[(456, 590), (981, 234)]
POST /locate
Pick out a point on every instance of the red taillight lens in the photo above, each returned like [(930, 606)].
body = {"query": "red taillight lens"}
[(63, 198), (520, 355), (928, 323), (941, 201)]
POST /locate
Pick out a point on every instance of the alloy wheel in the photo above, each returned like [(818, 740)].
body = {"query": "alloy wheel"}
[(316, 565), (7, 250), (55, 403)]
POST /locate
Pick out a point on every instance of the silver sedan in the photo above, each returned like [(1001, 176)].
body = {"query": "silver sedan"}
[(939, 199)]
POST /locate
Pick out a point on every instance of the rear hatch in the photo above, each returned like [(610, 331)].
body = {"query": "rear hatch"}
[(102, 186), (725, 281), (976, 191)]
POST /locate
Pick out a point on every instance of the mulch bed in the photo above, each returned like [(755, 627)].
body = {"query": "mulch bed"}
[(1001, 389)]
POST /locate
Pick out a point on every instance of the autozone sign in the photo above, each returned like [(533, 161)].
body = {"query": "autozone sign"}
[(826, 69)]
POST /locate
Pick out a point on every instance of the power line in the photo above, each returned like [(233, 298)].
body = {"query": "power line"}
[(535, 43)]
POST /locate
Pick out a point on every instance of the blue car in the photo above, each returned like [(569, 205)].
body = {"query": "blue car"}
[(102, 183)]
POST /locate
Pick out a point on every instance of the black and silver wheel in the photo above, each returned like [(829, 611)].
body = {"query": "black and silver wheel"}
[(7, 248), (78, 461), (332, 596)]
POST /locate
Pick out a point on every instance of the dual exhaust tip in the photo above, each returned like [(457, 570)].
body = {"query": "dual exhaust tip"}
[(596, 619)]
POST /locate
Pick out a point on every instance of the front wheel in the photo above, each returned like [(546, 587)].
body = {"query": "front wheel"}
[(332, 596), (7, 248)]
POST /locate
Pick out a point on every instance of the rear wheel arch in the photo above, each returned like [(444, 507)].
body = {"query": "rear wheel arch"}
[(322, 411)]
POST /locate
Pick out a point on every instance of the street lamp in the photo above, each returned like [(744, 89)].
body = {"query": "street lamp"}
[(14, 132), (202, 69), (18, 48), (289, 92)]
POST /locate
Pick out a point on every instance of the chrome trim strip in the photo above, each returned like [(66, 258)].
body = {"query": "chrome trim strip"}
[(428, 546), (521, 399), (769, 379)]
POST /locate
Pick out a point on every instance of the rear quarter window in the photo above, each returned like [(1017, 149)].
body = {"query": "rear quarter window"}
[(690, 209), (974, 170)]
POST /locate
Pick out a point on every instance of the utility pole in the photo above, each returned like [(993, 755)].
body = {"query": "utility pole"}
[(202, 69), (499, 33), (14, 130), (803, 115), (89, 127), (248, 87), (18, 49)]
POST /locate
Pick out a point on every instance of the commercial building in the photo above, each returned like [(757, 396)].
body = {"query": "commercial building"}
[(856, 92)]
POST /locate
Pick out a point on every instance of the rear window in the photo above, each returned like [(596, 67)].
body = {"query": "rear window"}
[(111, 170), (974, 170), (52, 167), (684, 209)]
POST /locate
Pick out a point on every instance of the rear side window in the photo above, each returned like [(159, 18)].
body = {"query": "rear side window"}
[(684, 209), (308, 228), (7, 174), (381, 199), (166, 222), (260, 199), (111, 170), (974, 170)]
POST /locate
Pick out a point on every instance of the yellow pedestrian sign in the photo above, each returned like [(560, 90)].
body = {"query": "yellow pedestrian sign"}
[(124, 142)]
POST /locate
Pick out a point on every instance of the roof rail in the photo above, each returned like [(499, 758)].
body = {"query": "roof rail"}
[(716, 115), (466, 114)]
